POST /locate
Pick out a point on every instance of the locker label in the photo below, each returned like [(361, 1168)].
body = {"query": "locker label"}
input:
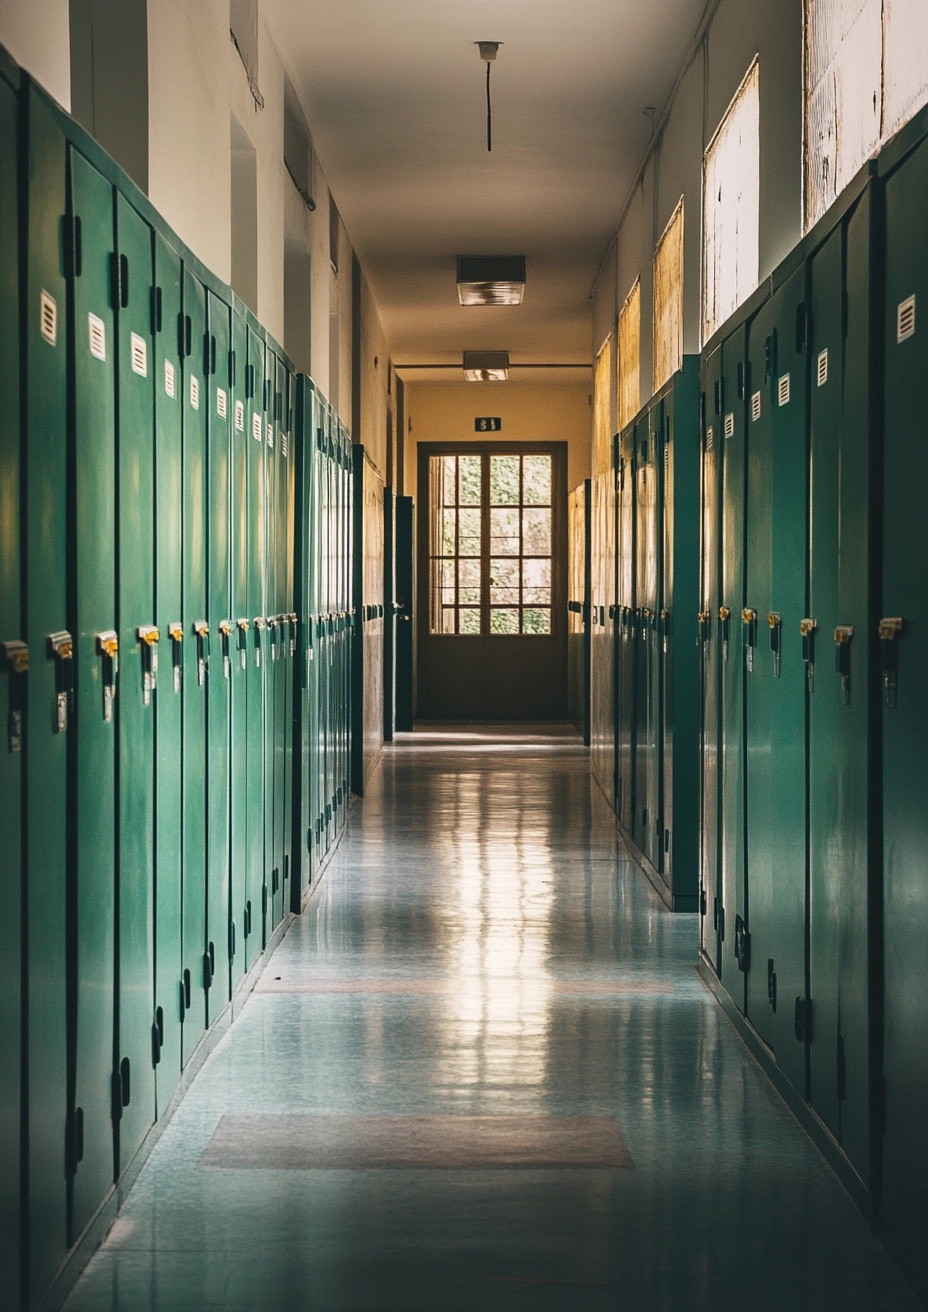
[(256, 427), (905, 319), (783, 388), (730, 424), (194, 392), (822, 368), (139, 351), (755, 407), (96, 331), (221, 403), (170, 386), (240, 416), (48, 318)]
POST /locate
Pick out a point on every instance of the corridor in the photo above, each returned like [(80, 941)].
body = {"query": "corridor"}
[(487, 1076)]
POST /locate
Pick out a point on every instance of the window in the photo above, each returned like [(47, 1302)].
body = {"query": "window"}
[(668, 300), (629, 380), (334, 233), (298, 148), (866, 73), (576, 558), (244, 208), (243, 28), (731, 207), (602, 405), (491, 530)]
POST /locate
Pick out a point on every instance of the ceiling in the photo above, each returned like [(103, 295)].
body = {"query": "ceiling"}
[(395, 96)]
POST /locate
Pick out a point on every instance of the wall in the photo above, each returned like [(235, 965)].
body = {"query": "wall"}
[(35, 32), (738, 30), (445, 412)]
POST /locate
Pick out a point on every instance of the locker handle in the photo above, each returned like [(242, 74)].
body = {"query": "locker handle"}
[(843, 635), (124, 281), (16, 654), (225, 628), (212, 354), (108, 645), (801, 328), (159, 1023), (807, 628), (775, 624), (108, 648), (78, 247), (185, 990), (702, 626), (890, 630), (149, 635), (156, 1044), (158, 310), (125, 1081), (188, 335), (749, 620)]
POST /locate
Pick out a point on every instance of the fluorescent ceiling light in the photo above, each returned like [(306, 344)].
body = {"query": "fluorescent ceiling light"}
[(486, 366), (491, 279)]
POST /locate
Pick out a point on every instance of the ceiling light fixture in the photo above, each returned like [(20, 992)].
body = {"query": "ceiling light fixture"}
[(488, 51), (491, 279), (486, 366)]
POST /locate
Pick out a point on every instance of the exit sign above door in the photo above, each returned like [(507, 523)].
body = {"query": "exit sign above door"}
[(488, 425)]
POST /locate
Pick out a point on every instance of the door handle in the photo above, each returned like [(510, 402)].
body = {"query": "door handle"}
[(108, 648), (149, 636)]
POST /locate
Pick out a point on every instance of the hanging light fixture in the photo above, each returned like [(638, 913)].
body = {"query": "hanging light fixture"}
[(488, 51), (491, 279), (486, 366)]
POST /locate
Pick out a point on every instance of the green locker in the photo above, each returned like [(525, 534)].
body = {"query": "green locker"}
[(350, 620), (271, 723), (283, 661), (678, 838), (324, 675), (762, 839), (842, 805), (626, 629), (645, 530), (241, 654), (197, 639), (14, 666), (218, 403), (903, 634), (172, 647), (781, 651), (49, 720), (292, 632), (257, 660), (303, 827), (134, 1075), (714, 632), (651, 826), (95, 289), (732, 656)]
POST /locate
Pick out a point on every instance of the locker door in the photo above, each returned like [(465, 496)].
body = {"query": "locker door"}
[(303, 830), (197, 640), (404, 585), (733, 542), (348, 548), (644, 492), (389, 612), (139, 646), (258, 659), (271, 724), (219, 616), (325, 644), (169, 529), (716, 633), (762, 838), (284, 663), (292, 892), (14, 664), (783, 658), (49, 723), (652, 826), (240, 616), (626, 645), (905, 712), (94, 290)]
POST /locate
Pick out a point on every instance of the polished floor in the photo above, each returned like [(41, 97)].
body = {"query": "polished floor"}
[(481, 1072)]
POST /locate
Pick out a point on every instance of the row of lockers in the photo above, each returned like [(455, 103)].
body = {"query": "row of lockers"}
[(811, 637), (175, 656)]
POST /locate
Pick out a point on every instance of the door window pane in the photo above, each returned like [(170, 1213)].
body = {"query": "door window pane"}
[(504, 480), (536, 621), (536, 532), (504, 621), (536, 479)]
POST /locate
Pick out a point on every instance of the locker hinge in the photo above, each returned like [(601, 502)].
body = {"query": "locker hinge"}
[(842, 1070), (742, 945), (802, 1021)]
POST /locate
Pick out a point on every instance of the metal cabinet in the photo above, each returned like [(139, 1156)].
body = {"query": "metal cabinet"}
[(240, 654), (626, 630), (257, 646), (713, 628)]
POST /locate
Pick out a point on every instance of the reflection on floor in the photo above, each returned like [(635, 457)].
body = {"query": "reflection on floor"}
[(481, 1073)]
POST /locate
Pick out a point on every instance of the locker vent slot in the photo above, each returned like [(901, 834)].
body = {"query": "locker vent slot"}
[(48, 318), (905, 319), (240, 416), (256, 427), (730, 424), (222, 404), (755, 407), (823, 368), (270, 436), (139, 355), (96, 329), (194, 392), (284, 445), (170, 386), (783, 390), (710, 438)]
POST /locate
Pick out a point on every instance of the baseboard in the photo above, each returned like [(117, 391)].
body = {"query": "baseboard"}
[(671, 900)]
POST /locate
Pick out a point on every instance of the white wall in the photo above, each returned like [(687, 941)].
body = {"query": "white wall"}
[(36, 33)]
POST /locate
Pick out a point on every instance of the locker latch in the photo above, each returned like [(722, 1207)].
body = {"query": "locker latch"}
[(260, 626), (272, 623), (201, 629), (646, 615), (225, 629), (16, 654), (108, 648), (802, 1020), (243, 627), (149, 636), (742, 945), (843, 635), (890, 632), (749, 619), (665, 629), (176, 634), (61, 647), (725, 629), (702, 627), (807, 629), (775, 623), (293, 619)]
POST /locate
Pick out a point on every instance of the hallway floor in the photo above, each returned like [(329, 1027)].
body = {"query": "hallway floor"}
[(481, 1072)]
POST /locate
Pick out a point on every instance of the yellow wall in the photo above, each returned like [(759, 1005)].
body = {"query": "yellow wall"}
[(445, 412)]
